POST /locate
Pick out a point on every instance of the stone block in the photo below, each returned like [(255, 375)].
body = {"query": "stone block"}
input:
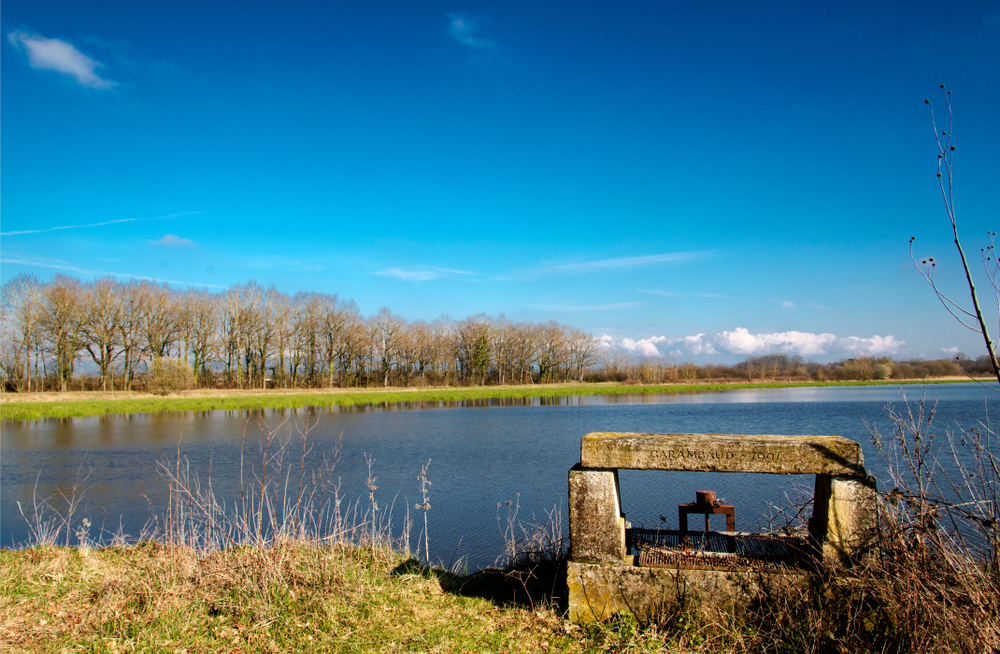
[(597, 592), (845, 515), (827, 455), (596, 521)]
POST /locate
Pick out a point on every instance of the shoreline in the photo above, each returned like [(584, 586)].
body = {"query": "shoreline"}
[(16, 407)]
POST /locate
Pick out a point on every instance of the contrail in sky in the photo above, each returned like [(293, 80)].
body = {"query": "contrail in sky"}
[(98, 273), (109, 222)]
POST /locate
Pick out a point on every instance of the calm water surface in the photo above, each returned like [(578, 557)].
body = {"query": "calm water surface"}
[(482, 454)]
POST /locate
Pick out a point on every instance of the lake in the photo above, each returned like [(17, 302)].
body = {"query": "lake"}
[(482, 454)]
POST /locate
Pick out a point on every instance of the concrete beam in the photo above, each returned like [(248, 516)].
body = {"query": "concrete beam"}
[(826, 455)]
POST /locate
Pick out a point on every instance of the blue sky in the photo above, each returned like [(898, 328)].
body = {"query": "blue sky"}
[(696, 180)]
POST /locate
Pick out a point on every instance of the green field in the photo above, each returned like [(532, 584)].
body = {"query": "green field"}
[(74, 408)]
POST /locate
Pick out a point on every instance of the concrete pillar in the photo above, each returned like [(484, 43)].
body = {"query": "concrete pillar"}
[(845, 515), (596, 521)]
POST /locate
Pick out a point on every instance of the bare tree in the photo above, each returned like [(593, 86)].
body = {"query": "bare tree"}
[(22, 301), (200, 329), (102, 315), (583, 351), (551, 350), (972, 319), (386, 331), (161, 320), (472, 346), (134, 302), (60, 322), (355, 347), (333, 319), (271, 311)]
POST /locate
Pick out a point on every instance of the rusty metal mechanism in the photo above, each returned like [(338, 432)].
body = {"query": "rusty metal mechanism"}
[(707, 504), (728, 550)]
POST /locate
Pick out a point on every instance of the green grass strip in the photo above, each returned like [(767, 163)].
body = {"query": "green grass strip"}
[(27, 411)]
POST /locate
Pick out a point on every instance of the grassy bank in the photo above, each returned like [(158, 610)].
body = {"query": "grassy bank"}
[(343, 598), (282, 599), (73, 405)]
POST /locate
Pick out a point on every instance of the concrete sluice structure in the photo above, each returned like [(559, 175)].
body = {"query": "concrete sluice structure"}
[(613, 568)]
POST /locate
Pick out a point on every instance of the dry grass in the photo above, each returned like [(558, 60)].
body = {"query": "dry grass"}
[(287, 598)]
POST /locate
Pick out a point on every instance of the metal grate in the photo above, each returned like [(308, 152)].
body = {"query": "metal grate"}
[(715, 550)]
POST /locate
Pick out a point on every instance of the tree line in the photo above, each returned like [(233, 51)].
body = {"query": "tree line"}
[(143, 335), (787, 367), (110, 334)]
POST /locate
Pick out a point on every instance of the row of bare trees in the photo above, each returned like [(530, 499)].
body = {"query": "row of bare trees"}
[(112, 333)]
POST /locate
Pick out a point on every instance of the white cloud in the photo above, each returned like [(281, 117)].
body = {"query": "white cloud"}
[(171, 240), (950, 350), (741, 342), (787, 304), (463, 28), (422, 273), (696, 344), (641, 347), (644, 346), (60, 56)]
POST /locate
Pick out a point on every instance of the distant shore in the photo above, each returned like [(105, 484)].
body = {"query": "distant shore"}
[(35, 406)]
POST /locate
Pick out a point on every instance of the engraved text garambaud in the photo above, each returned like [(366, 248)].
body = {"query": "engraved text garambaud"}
[(722, 455)]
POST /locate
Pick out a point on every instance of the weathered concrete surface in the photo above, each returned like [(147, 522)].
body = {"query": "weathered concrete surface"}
[(826, 455), (595, 516), (848, 525), (597, 592)]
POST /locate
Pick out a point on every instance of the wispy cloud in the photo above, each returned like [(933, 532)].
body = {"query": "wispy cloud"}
[(463, 28), (622, 263), (788, 305), (108, 222), (742, 343), (100, 273), (670, 294), (589, 307), (600, 265), (60, 56), (173, 241), (422, 274)]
